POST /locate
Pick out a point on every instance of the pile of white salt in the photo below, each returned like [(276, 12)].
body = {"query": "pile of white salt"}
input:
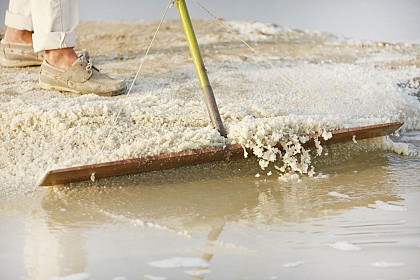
[(42, 130)]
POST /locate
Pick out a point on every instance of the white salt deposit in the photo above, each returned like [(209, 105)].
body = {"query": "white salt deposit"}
[(92, 177), (287, 177), (229, 247), (141, 223), (386, 56), (181, 262), (387, 264), (318, 146), (320, 176), (76, 276), (42, 130), (152, 277), (337, 194), (294, 264), (406, 149), (389, 207), (326, 135), (345, 246), (197, 272), (254, 31)]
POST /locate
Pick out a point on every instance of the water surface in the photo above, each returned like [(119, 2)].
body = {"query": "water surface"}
[(359, 221)]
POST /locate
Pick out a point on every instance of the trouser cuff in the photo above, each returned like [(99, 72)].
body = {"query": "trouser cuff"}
[(18, 21), (53, 40)]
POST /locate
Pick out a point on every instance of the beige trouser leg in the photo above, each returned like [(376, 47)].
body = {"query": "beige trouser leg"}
[(53, 21), (19, 15)]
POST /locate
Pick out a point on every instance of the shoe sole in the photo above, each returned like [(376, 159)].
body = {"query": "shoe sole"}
[(8, 63), (65, 89)]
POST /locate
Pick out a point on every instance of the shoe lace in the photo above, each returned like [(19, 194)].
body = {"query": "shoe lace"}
[(90, 66)]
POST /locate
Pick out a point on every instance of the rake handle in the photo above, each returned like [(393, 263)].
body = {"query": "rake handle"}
[(200, 69)]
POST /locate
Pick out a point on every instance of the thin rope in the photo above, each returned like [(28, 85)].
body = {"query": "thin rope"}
[(233, 32), (171, 3)]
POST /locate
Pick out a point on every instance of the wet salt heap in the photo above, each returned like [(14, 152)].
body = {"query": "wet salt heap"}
[(42, 130), (292, 155)]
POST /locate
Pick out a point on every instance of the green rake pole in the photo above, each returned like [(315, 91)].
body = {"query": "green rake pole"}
[(200, 69)]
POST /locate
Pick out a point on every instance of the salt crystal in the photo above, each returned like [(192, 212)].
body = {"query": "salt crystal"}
[(245, 152), (387, 264), (294, 264), (181, 262), (318, 146), (197, 272), (389, 207), (345, 246), (326, 135), (337, 194), (76, 276), (152, 277)]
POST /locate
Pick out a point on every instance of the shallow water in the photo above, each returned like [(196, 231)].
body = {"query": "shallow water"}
[(358, 221)]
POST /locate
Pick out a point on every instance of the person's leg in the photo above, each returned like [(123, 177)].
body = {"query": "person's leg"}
[(16, 47), (19, 22), (54, 24), (14, 35), (17, 50)]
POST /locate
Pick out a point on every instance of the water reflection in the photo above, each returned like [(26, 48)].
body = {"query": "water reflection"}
[(202, 199), (196, 195), (50, 250)]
